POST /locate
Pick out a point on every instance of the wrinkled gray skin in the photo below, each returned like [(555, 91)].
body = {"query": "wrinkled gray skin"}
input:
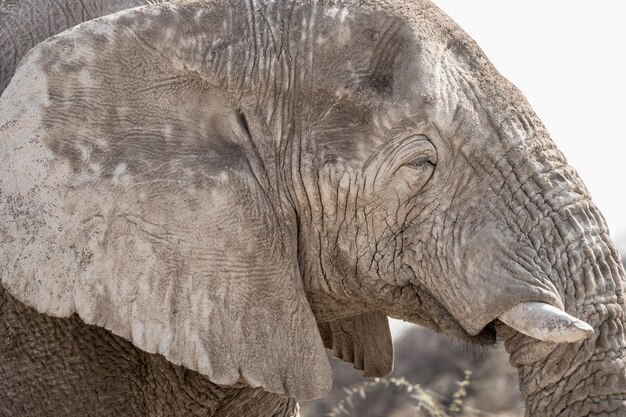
[(26, 23), (228, 185)]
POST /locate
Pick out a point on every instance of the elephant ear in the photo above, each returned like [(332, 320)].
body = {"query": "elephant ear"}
[(132, 195), (363, 340)]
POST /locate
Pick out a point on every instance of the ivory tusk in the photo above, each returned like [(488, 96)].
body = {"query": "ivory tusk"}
[(545, 322)]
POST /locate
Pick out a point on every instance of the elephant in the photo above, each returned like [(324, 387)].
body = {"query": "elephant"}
[(23, 24), (198, 197)]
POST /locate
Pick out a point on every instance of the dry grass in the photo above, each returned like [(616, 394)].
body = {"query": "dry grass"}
[(422, 401)]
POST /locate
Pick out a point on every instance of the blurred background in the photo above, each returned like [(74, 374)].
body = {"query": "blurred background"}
[(568, 57)]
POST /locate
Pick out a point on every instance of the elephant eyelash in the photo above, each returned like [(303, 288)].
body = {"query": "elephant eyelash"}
[(416, 152), (420, 163)]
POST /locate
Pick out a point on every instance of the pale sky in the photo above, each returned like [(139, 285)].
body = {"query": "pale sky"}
[(568, 57)]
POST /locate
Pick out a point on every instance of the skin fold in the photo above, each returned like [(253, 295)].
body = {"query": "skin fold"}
[(228, 187)]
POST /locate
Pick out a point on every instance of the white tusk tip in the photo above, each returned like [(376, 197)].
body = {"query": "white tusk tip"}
[(545, 322)]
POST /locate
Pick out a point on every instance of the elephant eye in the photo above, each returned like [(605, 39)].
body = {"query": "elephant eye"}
[(420, 163), (415, 160), (417, 153), (411, 163)]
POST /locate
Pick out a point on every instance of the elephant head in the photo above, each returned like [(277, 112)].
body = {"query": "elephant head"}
[(235, 185)]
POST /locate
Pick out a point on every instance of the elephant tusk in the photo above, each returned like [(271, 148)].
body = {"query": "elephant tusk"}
[(545, 322)]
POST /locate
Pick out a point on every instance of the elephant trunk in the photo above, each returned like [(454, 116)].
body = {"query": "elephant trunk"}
[(586, 377), (536, 237)]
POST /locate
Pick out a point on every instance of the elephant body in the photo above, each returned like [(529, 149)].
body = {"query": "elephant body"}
[(63, 367), (198, 197)]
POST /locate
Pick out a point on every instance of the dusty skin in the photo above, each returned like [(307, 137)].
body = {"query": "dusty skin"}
[(198, 197)]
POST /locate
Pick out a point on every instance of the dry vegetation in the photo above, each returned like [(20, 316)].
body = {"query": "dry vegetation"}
[(420, 401), (428, 368)]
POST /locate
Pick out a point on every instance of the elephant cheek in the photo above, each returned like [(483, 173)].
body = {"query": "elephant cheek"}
[(491, 279)]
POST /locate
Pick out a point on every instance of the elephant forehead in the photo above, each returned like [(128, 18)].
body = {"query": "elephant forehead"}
[(356, 67), (383, 70)]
